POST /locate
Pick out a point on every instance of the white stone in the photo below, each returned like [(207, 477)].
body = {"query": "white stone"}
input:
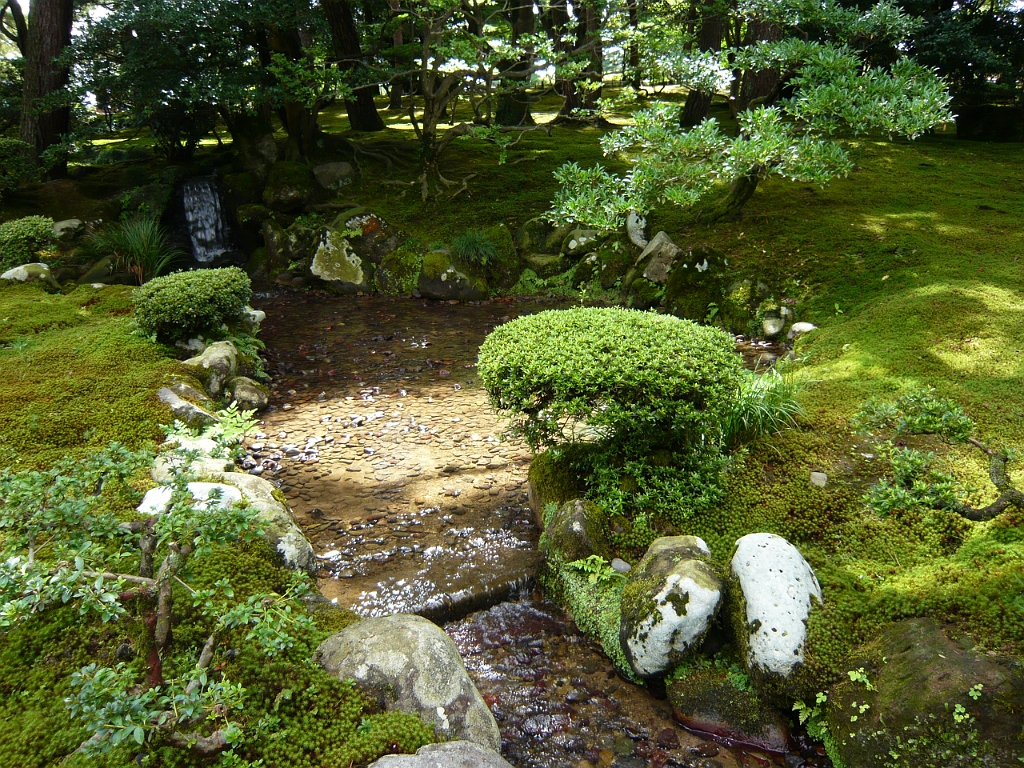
[(447, 754), (779, 588), (772, 326), (799, 329), (156, 500), (819, 479), (636, 226)]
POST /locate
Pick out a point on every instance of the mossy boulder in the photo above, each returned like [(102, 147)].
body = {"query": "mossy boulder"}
[(668, 604), (718, 700), (442, 278), (546, 264), (30, 273), (643, 294), (243, 188), (924, 697), (504, 270), (275, 240), (552, 480), (607, 265), (251, 216), (373, 238), (574, 532), (399, 272), (290, 186), (250, 395), (215, 365), (581, 241), (697, 280), (340, 268), (538, 235), (150, 199)]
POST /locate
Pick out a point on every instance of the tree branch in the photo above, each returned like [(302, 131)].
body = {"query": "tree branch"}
[(1009, 496)]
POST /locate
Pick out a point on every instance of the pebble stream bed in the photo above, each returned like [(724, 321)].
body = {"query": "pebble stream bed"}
[(382, 439)]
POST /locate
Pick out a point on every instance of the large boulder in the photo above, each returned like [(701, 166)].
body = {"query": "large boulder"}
[(339, 266), (573, 532), (250, 395), (242, 188), (538, 235), (777, 591), (546, 264), (929, 697), (371, 236), (504, 270), (290, 186), (31, 273), (696, 281), (658, 258), (409, 664), (333, 175), (448, 754), (215, 365), (399, 272), (607, 265), (184, 410), (668, 604), (442, 278)]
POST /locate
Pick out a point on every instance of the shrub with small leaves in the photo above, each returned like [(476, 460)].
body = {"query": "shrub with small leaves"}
[(21, 238), (184, 304), (918, 412)]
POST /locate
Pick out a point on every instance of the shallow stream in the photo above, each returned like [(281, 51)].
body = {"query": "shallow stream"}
[(383, 441)]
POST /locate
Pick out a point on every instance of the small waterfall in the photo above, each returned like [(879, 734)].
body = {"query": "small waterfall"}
[(207, 223)]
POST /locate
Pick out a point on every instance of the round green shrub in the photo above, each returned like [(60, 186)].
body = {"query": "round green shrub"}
[(184, 304), (21, 238), (611, 374)]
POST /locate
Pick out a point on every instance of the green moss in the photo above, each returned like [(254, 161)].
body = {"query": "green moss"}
[(643, 294), (504, 270), (74, 378), (399, 272), (435, 263), (553, 480)]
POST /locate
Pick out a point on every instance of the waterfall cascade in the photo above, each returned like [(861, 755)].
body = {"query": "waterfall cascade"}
[(207, 222)]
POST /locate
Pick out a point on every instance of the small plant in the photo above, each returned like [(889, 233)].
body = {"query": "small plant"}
[(916, 483), (917, 412), (20, 239), (766, 403), (597, 569), (139, 246), (186, 304), (474, 248)]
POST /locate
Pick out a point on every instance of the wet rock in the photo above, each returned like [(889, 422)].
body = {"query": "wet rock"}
[(249, 395), (450, 754), (410, 664), (713, 701), (289, 186), (340, 267), (31, 273), (915, 699), (442, 278), (215, 365), (573, 532), (779, 589), (184, 411), (669, 602), (333, 175), (581, 241)]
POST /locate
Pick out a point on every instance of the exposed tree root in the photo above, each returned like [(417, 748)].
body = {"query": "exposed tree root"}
[(1009, 496)]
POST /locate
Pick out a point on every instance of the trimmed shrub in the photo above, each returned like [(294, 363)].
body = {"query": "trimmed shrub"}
[(608, 374), (21, 238), (185, 304)]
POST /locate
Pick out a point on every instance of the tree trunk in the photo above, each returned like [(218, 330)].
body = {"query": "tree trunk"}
[(252, 138), (757, 86), (698, 102), (739, 193), (362, 112), (397, 86), (633, 49), (513, 104), (48, 34)]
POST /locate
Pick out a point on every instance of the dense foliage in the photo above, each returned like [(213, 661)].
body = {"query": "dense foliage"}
[(185, 304), (21, 239)]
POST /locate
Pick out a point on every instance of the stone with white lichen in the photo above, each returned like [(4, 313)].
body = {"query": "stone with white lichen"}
[(668, 604), (779, 590)]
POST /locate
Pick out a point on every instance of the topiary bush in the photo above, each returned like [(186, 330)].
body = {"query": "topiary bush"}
[(184, 304), (21, 238), (610, 374)]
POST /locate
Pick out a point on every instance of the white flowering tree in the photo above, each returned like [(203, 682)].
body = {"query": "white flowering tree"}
[(833, 89)]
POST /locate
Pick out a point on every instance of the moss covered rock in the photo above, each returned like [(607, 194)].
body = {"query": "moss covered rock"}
[(607, 265), (581, 241), (290, 186), (697, 280), (546, 264), (719, 700), (643, 294), (441, 278), (504, 270), (573, 532), (668, 604), (919, 697), (243, 188), (552, 481), (370, 235), (399, 272), (339, 267)]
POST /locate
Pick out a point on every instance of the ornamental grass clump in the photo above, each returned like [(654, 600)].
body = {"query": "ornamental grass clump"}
[(183, 305)]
